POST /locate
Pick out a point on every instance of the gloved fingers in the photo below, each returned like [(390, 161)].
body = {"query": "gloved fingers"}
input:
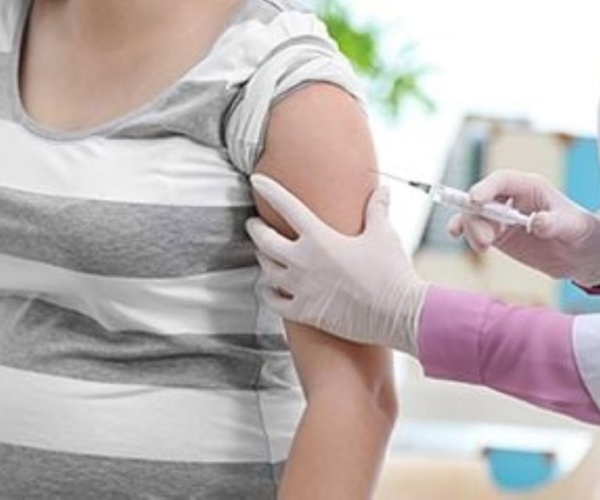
[(269, 242), (272, 270), (280, 305), (378, 209), (505, 184), (455, 226), (277, 276), (481, 233), (296, 213)]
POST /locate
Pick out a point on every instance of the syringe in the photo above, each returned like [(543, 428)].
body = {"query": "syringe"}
[(445, 195)]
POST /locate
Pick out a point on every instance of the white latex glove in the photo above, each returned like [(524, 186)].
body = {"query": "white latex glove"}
[(361, 288), (565, 238)]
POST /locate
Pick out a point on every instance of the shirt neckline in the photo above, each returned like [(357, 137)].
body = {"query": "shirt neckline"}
[(105, 128)]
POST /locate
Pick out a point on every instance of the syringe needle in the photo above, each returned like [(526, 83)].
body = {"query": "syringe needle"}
[(394, 177), (416, 184)]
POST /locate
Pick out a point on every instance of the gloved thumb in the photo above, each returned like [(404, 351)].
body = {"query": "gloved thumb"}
[(378, 208), (501, 183), (555, 224)]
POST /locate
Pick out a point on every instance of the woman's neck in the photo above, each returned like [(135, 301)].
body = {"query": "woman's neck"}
[(108, 24), (124, 53)]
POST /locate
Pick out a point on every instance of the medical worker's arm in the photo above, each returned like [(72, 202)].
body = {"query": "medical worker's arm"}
[(529, 353), (565, 238), (318, 145)]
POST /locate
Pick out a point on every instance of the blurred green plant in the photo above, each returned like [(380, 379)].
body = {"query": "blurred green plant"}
[(392, 84)]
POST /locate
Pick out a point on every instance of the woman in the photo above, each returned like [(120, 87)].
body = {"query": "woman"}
[(135, 360), (364, 289)]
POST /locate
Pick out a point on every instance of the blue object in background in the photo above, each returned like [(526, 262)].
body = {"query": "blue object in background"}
[(520, 470), (581, 184)]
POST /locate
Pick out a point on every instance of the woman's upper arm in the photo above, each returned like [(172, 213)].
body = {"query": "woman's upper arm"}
[(318, 145)]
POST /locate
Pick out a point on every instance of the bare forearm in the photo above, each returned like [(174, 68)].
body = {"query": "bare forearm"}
[(338, 449)]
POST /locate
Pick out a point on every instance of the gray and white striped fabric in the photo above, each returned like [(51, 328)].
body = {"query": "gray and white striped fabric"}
[(135, 359)]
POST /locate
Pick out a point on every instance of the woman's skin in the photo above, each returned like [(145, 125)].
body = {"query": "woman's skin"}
[(86, 62), (128, 52), (349, 388)]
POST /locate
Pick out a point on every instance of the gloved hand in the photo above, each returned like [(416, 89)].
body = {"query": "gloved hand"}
[(564, 241), (361, 288)]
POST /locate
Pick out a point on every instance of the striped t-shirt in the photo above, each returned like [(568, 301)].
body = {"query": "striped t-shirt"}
[(135, 359)]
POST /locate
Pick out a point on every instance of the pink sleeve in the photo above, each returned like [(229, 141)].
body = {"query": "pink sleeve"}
[(524, 352)]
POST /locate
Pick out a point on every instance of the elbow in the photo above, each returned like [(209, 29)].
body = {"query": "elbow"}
[(380, 405), (386, 405), (383, 402)]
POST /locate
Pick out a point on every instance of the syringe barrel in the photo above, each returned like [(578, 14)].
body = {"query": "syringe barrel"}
[(504, 214), (451, 197), (498, 212)]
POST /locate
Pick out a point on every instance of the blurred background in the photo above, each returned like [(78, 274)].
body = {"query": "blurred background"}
[(457, 90)]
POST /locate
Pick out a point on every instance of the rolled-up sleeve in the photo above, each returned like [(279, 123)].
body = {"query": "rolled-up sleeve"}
[(300, 52)]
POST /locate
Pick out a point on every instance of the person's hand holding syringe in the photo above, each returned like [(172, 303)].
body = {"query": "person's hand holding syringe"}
[(504, 213), (557, 231)]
